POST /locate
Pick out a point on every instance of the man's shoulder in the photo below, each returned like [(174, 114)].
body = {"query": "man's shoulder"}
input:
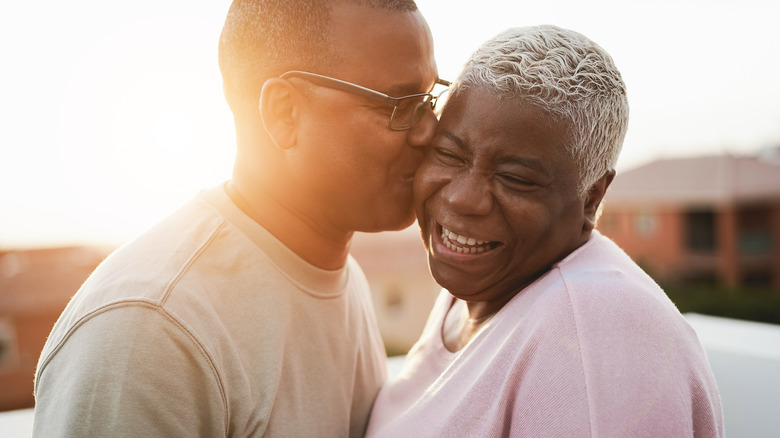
[(128, 292), (188, 244)]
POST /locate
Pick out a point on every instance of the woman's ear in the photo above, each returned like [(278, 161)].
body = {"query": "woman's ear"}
[(594, 197), (279, 111)]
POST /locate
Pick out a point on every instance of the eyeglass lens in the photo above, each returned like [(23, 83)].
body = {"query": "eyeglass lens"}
[(409, 111)]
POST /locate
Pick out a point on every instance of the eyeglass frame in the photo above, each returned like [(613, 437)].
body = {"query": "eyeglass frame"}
[(359, 90)]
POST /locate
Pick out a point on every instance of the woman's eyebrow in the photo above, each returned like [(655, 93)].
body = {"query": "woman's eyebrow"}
[(455, 139), (530, 163), (526, 162)]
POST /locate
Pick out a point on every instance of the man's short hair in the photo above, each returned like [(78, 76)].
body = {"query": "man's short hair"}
[(565, 74), (265, 38)]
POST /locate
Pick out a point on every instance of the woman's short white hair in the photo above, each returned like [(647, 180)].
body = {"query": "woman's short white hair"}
[(567, 75)]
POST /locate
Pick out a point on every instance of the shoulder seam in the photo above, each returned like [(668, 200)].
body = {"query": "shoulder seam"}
[(579, 347), (186, 266)]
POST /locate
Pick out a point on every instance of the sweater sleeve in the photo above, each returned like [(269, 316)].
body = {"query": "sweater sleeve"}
[(126, 370), (645, 371)]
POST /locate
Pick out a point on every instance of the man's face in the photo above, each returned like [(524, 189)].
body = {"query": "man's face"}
[(496, 196), (359, 171)]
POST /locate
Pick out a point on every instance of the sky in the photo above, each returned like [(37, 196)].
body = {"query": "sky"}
[(112, 114)]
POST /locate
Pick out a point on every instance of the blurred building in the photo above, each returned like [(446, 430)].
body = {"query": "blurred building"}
[(713, 219), (396, 267), (35, 286)]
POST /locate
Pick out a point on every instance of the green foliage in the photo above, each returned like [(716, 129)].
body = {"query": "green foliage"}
[(753, 304)]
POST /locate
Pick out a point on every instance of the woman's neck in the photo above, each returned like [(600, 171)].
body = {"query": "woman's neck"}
[(463, 322)]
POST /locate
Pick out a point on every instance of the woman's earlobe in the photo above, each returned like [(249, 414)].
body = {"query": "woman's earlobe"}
[(279, 112)]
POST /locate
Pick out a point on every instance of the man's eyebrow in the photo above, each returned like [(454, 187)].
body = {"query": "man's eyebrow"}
[(404, 89)]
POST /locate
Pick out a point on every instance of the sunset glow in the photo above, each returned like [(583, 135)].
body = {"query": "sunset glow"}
[(113, 114)]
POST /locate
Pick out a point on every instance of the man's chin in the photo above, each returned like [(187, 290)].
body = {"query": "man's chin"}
[(395, 222)]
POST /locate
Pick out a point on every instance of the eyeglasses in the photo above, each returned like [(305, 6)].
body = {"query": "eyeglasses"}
[(407, 110)]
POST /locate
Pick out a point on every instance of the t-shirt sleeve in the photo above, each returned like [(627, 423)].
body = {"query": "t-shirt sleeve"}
[(128, 370)]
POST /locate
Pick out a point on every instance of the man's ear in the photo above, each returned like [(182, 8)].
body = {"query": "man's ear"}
[(594, 197), (279, 112)]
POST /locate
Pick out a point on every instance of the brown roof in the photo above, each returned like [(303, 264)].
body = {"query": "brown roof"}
[(704, 179), (41, 281)]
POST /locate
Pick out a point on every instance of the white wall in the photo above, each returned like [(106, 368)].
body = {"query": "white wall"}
[(745, 358)]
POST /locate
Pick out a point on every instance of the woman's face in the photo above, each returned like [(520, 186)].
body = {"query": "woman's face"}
[(496, 197)]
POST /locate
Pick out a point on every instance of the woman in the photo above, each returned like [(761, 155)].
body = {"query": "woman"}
[(545, 327)]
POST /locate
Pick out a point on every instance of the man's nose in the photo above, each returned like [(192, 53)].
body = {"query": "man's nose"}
[(421, 134)]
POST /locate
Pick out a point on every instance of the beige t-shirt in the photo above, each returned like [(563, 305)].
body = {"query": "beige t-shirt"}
[(207, 325)]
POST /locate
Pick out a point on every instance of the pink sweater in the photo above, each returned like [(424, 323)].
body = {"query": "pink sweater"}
[(594, 348)]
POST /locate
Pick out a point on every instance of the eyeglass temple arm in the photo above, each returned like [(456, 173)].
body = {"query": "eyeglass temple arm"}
[(349, 87), (343, 86)]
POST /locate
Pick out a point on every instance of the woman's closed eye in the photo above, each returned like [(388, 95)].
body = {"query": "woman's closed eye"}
[(515, 182), (447, 157)]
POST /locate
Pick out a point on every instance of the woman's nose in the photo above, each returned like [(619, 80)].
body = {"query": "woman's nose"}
[(469, 194)]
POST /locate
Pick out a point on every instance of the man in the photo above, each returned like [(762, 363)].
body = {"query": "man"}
[(243, 314)]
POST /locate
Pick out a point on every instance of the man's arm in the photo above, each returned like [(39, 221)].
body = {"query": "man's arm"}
[(128, 370)]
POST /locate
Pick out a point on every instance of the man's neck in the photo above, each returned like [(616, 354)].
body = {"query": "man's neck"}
[(300, 233)]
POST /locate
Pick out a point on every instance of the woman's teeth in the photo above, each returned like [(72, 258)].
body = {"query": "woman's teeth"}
[(463, 244)]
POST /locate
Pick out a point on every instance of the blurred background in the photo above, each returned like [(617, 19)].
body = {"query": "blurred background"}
[(112, 115)]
